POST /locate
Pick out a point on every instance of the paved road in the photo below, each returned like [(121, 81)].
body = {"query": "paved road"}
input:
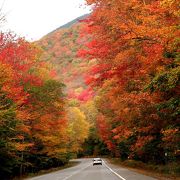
[(86, 171)]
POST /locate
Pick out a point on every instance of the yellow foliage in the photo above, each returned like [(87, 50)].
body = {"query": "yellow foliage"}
[(78, 128)]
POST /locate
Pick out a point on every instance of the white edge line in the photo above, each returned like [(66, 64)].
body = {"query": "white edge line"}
[(114, 172)]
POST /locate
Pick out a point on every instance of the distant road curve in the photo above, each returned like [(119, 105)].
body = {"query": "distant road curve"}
[(86, 171)]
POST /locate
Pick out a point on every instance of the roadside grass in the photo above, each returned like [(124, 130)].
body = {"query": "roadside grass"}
[(43, 172), (161, 172)]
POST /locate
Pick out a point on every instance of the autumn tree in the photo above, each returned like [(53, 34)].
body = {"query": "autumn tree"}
[(30, 98), (78, 129), (137, 73)]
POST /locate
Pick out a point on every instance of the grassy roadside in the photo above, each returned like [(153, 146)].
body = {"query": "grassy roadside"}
[(42, 172), (161, 172)]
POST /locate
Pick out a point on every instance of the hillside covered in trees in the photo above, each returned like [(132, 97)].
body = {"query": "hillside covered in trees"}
[(60, 48)]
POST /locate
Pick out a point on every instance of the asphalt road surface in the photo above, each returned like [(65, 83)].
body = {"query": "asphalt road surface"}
[(86, 171)]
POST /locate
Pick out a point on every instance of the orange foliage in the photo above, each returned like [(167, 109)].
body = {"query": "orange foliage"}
[(129, 40)]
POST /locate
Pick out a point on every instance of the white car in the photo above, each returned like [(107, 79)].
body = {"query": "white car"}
[(97, 161)]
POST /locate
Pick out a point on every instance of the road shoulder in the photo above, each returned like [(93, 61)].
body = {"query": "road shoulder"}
[(160, 176)]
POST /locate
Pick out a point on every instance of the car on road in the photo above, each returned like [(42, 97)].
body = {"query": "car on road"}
[(97, 161)]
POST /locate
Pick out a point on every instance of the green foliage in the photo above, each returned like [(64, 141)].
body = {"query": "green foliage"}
[(124, 147), (8, 132), (49, 92), (166, 81), (93, 146)]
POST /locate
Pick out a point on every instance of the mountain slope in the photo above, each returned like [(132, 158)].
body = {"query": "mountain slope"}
[(60, 47), (69, 24)]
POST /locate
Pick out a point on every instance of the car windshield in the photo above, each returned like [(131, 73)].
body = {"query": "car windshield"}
[(97, 159)]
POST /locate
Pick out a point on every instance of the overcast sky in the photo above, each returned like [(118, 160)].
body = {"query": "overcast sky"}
[(35, 18)]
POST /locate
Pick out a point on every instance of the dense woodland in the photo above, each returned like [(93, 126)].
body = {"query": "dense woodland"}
[(136, 77), (105, 85)]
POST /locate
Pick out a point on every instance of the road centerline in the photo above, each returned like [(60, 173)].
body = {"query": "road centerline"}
[(76, 172)]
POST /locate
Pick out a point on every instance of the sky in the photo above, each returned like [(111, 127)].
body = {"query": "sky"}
[(33, 19)]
